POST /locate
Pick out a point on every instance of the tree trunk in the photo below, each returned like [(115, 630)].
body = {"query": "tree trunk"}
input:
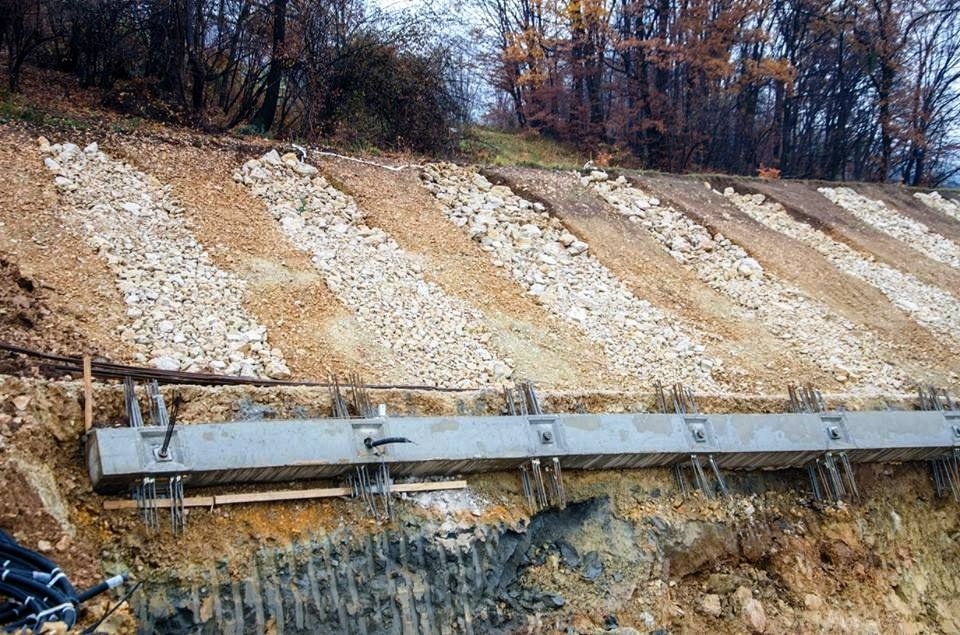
[(885, 93), (268, 110)]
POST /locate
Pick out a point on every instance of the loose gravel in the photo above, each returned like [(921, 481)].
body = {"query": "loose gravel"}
[(184, 313), (437, 339), (929, 305), (893, 223), (937, 202), (558, 270), (836, 345)]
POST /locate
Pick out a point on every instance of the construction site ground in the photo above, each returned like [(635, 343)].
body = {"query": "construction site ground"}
[(767, 560)]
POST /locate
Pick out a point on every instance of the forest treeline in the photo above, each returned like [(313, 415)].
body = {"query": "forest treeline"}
[(834, 89), (309, 69)]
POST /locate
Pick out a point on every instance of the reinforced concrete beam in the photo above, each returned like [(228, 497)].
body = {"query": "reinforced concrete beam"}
[(269, 450)]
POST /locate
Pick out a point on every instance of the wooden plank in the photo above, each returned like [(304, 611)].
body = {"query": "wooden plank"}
[(281, 495), (87, 393), (427, 486), (263, 497), (162, 503)]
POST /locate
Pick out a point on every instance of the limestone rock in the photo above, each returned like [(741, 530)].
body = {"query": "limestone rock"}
[(165, 363), (754, 615), (710, 605)]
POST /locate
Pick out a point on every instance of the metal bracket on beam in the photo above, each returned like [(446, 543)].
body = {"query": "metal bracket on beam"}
[(953, 422), (548, 433), (835, 427)]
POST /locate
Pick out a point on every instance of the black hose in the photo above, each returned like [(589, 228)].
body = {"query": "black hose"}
[(106, 585), (36, 591), (14, 556), (369, 443)]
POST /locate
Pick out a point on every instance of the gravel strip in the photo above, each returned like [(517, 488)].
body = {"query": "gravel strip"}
[(184, 312), (557, 269), (937, 202), (927, 304), (893, 223), (436, 338), (833, 343)]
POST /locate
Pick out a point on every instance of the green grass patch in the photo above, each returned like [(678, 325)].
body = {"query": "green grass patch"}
[(12, 110), (496, 147)]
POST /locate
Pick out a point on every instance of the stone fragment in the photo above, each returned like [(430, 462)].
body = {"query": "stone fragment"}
[(165, 363), (592, 566), (754, 615), (710, 605)]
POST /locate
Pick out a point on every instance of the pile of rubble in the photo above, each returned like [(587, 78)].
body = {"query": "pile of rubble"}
[(184, 312), (835, 344), (557, 269), (893, 223), (436, 338), (927, 304), (937, 202)]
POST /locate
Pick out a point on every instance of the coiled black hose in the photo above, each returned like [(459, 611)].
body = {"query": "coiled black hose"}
[(34, 590)]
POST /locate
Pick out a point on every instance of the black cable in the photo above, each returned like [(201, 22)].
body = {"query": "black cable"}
[(369, 443), (126, 596)]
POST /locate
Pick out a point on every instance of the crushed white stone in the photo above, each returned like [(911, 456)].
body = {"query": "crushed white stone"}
[(836, 345), (939, 203), (893, 223), (929, 305), (436, 338), (184, 313), (558, 270)]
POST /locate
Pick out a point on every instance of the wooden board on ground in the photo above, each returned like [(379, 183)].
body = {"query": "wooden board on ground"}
[(283, 495)]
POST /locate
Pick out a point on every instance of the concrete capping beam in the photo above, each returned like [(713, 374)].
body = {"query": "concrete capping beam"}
[(270, 450)]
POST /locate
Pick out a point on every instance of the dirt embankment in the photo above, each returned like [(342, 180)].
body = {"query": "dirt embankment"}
[(803, 202), (916, 347), (543, 348), (284, 290), (57, 292), (629, 548), (754, 359)]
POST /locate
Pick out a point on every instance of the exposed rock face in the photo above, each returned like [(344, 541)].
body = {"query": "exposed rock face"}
[(937, 202), (437, 338), (184, 312), (929, 305), (558, 270), (840, 347), (893, 223)]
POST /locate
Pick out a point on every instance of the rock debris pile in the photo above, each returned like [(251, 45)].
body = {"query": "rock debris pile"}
[(557, 269), (832, 342), (927, 304), (893, 223), (184, 312), (437, 339), (937, 202)]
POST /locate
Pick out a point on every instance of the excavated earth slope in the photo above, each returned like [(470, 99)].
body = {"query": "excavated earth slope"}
[(205, 253)]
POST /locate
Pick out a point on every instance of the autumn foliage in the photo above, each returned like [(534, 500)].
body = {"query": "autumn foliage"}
[(836, 89)]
